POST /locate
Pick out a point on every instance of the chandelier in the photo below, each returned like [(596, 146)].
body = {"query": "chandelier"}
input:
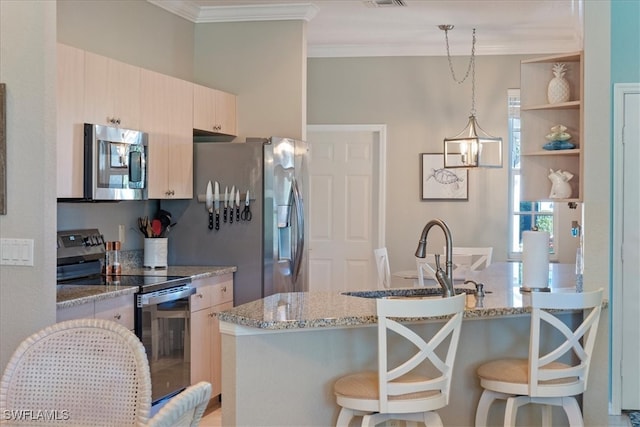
[(472, 147)]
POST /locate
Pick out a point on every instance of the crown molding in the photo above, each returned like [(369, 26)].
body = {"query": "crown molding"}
[(516, 48), (242, 13)]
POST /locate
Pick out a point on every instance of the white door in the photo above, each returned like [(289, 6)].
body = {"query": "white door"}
[(626, 277), (346, 193)]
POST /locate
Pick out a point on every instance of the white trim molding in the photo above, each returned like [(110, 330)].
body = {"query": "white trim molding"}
[(242, 13)]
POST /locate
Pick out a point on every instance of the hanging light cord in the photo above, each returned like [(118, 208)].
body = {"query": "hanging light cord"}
[(471, 68)]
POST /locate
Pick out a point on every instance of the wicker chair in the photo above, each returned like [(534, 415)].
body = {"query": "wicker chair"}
[(85, 372), (185, 409), (88, 372)]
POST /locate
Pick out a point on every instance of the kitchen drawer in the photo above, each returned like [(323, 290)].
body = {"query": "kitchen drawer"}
[(222, 292), (202, 298), (119, 309), (82, 311)]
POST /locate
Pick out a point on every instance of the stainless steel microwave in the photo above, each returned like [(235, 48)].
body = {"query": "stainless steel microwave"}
[(115, 163)]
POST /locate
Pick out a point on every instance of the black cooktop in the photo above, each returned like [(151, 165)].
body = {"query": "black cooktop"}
[(146, 283)]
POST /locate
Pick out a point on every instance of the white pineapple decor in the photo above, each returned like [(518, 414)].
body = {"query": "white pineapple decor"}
[(558, 89)]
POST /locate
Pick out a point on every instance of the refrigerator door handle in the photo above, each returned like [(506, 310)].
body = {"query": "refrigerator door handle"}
[(297, 258)]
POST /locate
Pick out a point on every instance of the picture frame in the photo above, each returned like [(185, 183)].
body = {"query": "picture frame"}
[(440, 183)]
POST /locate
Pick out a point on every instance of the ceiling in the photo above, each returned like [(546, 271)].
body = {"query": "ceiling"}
[(338, 28)]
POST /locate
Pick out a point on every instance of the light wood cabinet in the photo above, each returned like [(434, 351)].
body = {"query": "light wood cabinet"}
[(119, 309), (70, 118), (166, 115), (213, 294), (214, 111), (112, 92), (538, 117)]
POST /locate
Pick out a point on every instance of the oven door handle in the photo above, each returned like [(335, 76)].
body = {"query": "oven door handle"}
[(146, 300)]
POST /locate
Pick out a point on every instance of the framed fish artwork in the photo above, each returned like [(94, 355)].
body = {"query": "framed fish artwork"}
[(439, 183)]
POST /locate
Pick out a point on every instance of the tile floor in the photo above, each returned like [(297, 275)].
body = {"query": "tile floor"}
[(213, 418)]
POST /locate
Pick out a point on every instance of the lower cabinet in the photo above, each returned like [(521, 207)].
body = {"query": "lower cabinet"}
[(119, 309), (213, 294)]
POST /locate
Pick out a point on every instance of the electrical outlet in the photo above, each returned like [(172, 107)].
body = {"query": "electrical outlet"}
[(121, 233)]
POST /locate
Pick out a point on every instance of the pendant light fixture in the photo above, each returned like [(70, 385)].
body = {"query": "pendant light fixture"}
[(472, 147)]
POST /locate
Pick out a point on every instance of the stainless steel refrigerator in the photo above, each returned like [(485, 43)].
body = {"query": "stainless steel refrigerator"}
[(269, 250)]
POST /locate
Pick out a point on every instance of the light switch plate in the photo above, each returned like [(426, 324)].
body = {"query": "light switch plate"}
[(16, 252)]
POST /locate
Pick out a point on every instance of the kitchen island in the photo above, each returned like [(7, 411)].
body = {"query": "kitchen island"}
[(282, 354)]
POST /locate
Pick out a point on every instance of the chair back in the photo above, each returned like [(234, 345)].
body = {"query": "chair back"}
[(401, 379), (427, 267), (568, 377), (92, 371), (381, 258), (479, 257), (184, 409)]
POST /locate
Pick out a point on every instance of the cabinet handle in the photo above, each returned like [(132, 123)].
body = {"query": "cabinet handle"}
[(211, 314), (200, 296), (117, 316), (224, 289)]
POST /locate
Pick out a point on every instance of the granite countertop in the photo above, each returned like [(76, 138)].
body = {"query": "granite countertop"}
[(300, 310), (73, 295)]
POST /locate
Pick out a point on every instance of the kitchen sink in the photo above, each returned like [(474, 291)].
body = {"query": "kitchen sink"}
[(405, 293)]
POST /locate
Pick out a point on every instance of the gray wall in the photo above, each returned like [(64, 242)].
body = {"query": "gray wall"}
[(264, 64), (28, 67), (135, 32), (421, 105)]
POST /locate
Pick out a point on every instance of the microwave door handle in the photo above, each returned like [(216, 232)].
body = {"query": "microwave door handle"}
[(172, 296), (299, 208)]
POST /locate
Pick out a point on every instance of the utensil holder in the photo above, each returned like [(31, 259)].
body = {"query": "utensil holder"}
[(155, 252)]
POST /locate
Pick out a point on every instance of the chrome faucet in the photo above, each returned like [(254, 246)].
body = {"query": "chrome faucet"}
[(444, 278)]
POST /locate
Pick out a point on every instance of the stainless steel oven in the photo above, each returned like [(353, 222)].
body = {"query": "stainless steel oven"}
[(161, 305), (162, 324)]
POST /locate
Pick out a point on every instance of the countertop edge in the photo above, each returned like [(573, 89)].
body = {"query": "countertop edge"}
[(195, 272)]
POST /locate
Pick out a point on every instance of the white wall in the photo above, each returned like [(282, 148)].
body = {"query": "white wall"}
[(27, 67)]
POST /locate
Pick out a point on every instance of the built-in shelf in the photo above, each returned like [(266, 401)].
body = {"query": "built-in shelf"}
[(538, 116)]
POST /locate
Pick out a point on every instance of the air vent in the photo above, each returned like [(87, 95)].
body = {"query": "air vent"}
[(384, 3)]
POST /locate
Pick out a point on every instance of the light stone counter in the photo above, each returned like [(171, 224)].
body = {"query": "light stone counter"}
[(301, 310), (289, 349), (73, 295)]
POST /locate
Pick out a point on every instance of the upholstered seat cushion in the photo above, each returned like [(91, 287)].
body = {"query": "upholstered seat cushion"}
[(517, 371), (364, 385)]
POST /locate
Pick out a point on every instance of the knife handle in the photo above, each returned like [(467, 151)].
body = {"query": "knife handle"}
[(224, 219), (210, 220), (238, 213), (217, 221), (231, 215)]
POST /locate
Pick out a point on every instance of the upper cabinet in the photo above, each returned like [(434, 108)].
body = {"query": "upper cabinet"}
[(166, 114), (543, 108), (214, 111), (98, 90), (112, 92), (70, 119)]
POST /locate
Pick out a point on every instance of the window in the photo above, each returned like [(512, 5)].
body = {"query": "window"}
[(523, 215)]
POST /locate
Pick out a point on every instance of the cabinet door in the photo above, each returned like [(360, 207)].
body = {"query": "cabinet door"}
[(201, 324), (166, 115), (70, 119), (226, 112), (119, 310), (112, 92), (204, 108), (214, 111), (216, 350)]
